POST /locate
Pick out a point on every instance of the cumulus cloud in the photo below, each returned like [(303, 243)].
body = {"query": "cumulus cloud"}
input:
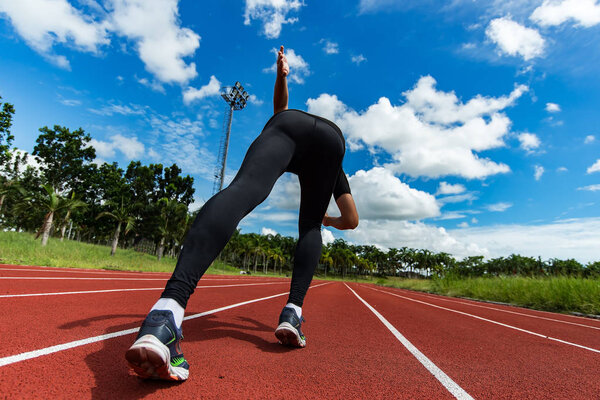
[(395, 200), (515, 39), (538, 172), (43, 23), (330, 47), (130, 147), (272, 14), (589, 139), (584, 13), (561, 169), (432, 134), (499, 207), (212, 88), (268, 231), (552, 107), (448, 188), (255, 100), (327, 237), (573, 238), (358, 59), (595, 167), (154, 85), (397, 234), (153, 25), (161, 43), (529, 141), (299, 69), (591, 188)]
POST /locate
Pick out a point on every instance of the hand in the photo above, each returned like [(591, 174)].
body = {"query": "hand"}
[(283, 69), (326, 221)]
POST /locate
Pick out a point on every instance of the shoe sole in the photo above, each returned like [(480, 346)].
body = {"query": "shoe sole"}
[(288, 335), (150, 359)]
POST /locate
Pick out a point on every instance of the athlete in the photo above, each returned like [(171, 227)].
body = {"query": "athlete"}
[(291, 141)]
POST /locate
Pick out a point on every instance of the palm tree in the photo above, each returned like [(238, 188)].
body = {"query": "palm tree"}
[(69, 209), (171, 213), (50, 201), (122, 216)]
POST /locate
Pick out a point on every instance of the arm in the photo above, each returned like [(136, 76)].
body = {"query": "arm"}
[(280, 95), (349, 217)]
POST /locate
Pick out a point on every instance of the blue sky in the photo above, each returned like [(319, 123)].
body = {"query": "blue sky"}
[(472, 126)]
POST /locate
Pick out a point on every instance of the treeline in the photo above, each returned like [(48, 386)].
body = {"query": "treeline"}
[(143, 206), (147, 208), (253, 252)]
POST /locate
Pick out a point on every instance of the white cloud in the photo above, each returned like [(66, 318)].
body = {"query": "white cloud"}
[(366, 6), (161, 43), (268, 231), (212, 88), (591, 188), (499, 207), (299, 69), (448, 188), (595, 167), (330, 47), (515, 39), (585, 13), (255, 100), (152, 24), (552, 107), (539, 171), (561, 169), (131, 109), (70, 103), (589, 139), (463, 225), (397, 234), (432, 134), (395, 200), (272, 13), (43, 23), (457, 198), (529, 141), (154, 85), (130, 147), (358, 59), (574, 238), (327, 237)]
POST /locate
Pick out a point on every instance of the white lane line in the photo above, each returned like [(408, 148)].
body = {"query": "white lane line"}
[(506, 311), (440, 375), (491, 321), (133, 290), (102, 279), (76, 271), (65, 346)]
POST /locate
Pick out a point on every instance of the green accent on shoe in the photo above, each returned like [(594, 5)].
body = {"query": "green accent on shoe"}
[(174, 336), (175, 362)]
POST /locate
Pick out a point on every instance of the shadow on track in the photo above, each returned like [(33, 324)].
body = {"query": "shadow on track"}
[(113, 378)]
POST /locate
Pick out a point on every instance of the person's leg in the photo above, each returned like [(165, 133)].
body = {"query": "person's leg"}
[(156, 353), (265, 161), (317, 179)]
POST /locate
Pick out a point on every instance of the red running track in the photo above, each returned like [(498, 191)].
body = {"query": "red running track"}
[(363, 341)]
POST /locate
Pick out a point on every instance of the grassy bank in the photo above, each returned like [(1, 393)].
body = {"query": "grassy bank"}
[(22, 249), (558, 294)]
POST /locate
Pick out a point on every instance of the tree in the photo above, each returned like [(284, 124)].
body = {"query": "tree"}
[(6, 112), (122, 215), (63, 154), (172, 214)]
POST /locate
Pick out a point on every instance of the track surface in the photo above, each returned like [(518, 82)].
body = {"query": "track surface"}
[(65, 332)]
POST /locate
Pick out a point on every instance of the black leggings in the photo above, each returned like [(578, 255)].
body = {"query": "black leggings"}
[(292, 141)]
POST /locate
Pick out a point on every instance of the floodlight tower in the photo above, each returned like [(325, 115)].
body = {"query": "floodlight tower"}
[(236, 98)]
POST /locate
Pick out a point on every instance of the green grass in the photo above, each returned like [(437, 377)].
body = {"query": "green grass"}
[(22, 249), (557, 294)]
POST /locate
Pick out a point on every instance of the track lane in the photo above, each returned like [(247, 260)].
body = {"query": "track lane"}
[(37, 323), (234, 354), (491, 361), (581, 334)]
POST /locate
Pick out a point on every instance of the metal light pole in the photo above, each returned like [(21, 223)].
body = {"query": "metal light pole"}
[(236, 98)]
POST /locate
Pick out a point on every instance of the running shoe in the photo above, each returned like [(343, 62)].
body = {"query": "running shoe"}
[(156, 353), (288, 332)]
